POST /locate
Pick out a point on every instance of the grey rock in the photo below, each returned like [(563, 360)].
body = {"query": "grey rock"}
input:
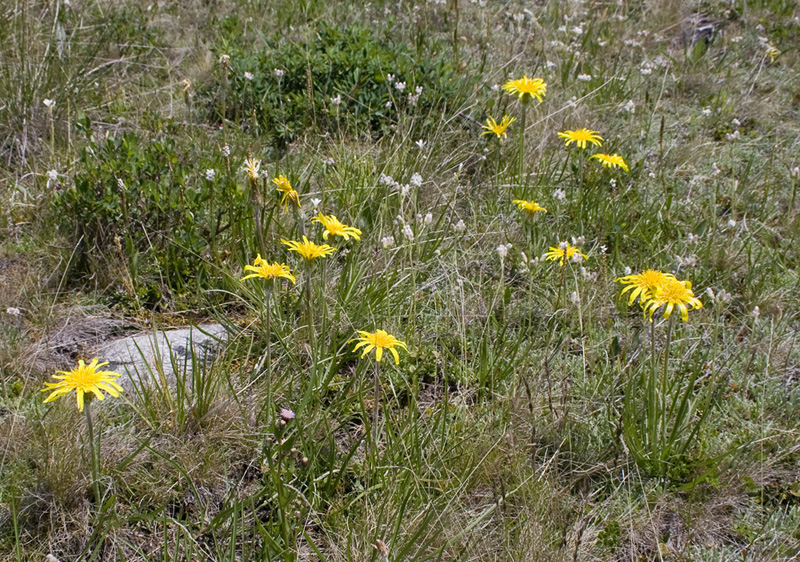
[(144, 358)]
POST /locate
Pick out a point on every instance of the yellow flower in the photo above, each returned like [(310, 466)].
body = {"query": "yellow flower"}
[(270, 272), (772, 52), (307, 249), (251, 167), (562, 251), (644, 285), (336, 228), (673, 294), (379, 341), (498, 129), (83, 379), (534, 87), (581, 136), (530, 207), (610, 161), (289, 194)]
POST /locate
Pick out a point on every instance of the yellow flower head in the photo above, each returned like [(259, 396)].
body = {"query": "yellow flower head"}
[(581, 136), (307, 249), (772, 52), (379, 341), (673, 294), (289, 193), (610, 161), (644, 285), (263, 269), (530, 207), (563, 251), (83, 379), (336, 228), (498, 129), (251, 167), (533, 87)]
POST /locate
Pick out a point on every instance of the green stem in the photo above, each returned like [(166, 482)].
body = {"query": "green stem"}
[(268, 327), (521, 150), (95, 457), (663, 397), (375, 399)]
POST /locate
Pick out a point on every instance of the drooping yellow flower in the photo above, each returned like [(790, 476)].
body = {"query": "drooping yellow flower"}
[(83, 379), (563, 251), (581, 136), (533, 87), (610, 160), (289, 193), (251, 167), (772, 52), (671, 295), (379, 341), (263, 269), (336, 228), (307, 249), (530, 207), (644, 285), (498, 129)]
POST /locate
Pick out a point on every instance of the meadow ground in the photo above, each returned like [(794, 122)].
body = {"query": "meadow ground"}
[(151, 152)]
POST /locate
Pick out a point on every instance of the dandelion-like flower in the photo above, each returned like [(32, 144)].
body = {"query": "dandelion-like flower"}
[(336, 228), (644, 285), (581, 136), (251, 167), (289, 193), (772, 53), (83, 379), (530, 207), (269, 271), (307, 249), (564, 251), (498, 129), (671, 295), (610, 160), (378, 341), (533, 87)]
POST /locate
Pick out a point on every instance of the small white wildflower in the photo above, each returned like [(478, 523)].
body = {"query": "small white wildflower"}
[(533, 262), (574, 297), (399, 86), (756, 313), (691, 261), (577, 30), (224, 60), (495, 87), (337, 99), (559, 194), (723, 296), (578, 241), (627, 270), (408, 232), (49, 103), (248, 75), (795, 172), (706, 111), (710, 293), (388, 105), (13, 311), (399, 220), (502, 251), (420, 143), (691, 238), (121, 184), (52, 175), (278, 72), (460, 227), (387, 242), (562, 29), (736, 122), (416, 180), (386, 180), (645, 71), (428, 220), (731, 223), (613, 182), (651, 175), (630, 107), (732, 136), (405, 189), (550, 64), (330, 161), (577, 257), (585, 77), (412, 99), (418, 90), (715, 171), (563, 245), (736, 39), (390, 78), (211, 174), (316, 202), (584, 272), (226, 151)]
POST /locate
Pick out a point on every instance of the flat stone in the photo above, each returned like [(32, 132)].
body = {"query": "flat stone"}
[(143, 359)]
